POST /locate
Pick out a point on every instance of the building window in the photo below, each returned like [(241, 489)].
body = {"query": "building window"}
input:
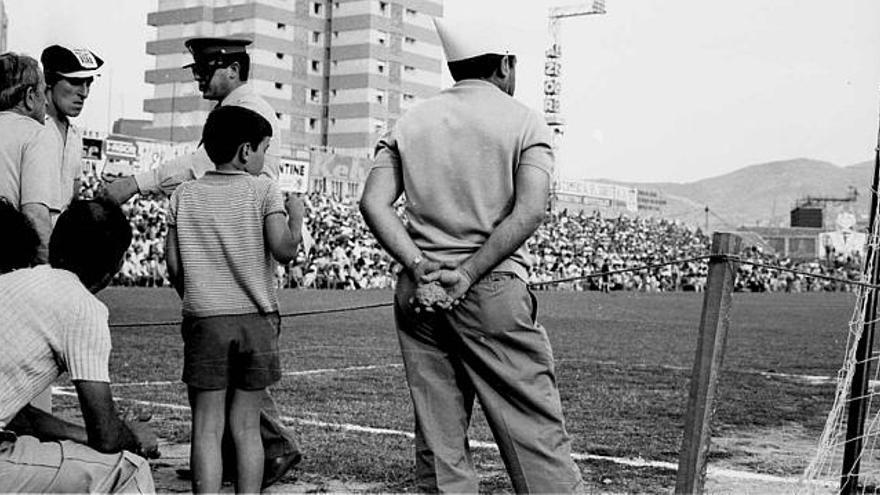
[(311, 123), (380, 97), (408, 97), (410, 13), (380, 67), (318, 9), (333, 93), (315, 65), (409, 68), (281, 26), (316, 37), (382, 38), (278, 115), (383, 8), (335, 63), (279, 56), (335, 34), (333, 121), (409, 40), (279, 85), (315, 95)]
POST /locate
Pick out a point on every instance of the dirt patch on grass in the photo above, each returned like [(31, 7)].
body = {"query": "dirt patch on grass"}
[(781, 451)]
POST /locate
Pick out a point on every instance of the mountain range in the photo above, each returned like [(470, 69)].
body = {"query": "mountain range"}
[(762, 194)]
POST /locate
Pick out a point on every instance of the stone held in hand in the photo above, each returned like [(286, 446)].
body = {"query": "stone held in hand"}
[(431, 294)]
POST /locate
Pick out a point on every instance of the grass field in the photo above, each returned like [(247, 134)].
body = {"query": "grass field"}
[(623, 363)]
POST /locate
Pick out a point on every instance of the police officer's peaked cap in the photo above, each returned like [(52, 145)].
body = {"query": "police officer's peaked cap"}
[(206, 50)]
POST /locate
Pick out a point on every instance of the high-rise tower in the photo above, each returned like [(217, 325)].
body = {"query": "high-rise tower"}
[(336, 72)]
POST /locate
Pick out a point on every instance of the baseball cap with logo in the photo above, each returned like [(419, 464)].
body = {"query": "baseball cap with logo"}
[(72, 62)]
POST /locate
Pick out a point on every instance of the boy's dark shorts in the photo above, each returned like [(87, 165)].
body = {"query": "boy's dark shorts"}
[(231, 351)]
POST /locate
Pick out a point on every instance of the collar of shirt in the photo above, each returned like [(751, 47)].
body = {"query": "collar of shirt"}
[(52, 123), (226, 172), (239, 94), (475, 83)]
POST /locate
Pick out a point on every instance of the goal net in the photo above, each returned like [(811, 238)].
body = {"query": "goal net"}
[(825, 470)]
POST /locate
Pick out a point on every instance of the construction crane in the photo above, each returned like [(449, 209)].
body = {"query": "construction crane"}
[(553, 61)]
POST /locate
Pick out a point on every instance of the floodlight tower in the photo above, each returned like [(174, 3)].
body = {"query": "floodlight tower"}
[(553, 63)]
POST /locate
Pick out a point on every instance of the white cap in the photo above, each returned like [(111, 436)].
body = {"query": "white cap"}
[(462, 40)]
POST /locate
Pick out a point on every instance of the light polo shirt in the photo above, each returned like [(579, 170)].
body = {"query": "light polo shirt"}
[(27, 167), (458, 153), (227, 267), (167, 176), (51, 324), (68, 159)]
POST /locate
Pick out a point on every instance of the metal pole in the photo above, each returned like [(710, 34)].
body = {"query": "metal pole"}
[(173, 96), (707, 221), (855, 423)]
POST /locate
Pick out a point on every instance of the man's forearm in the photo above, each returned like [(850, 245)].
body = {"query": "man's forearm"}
[(39, 216), (391, 233), (46, 427), (510, 234)]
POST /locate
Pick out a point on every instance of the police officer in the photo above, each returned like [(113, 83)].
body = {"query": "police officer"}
[(221, 67), (475, 166)]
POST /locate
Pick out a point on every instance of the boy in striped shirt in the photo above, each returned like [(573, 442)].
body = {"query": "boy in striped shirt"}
[(224, 230)]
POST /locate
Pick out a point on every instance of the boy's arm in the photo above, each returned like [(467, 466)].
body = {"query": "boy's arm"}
[(172, 260), (282, 237)]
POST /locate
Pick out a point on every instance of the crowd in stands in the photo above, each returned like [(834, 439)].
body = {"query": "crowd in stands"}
[(588, 251)]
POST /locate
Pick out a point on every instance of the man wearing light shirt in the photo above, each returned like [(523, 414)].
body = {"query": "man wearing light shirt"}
[(69, 73), (221, 67)]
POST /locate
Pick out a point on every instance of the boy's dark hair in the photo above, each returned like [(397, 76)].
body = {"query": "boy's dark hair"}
[(19, 250), (479, 67), (229, 127), (90, 239)]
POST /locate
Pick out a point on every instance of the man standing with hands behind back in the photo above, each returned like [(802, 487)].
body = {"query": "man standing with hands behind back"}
[(475, 166)]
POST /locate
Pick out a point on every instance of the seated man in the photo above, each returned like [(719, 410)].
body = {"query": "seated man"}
[(22, 242), (53, 323)]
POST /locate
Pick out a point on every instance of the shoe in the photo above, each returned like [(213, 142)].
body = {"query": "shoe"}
[(275, 468), (187, 474)]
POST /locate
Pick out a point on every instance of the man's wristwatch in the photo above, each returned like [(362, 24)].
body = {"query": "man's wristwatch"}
[(415, 262)]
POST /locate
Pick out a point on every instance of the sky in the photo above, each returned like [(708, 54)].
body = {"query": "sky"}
[(653, 90)]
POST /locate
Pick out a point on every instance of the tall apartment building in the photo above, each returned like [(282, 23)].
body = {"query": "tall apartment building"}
[(337, 72), (4, 26)]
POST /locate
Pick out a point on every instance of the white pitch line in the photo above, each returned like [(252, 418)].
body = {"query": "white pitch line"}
[(634, 462), (318, 371)]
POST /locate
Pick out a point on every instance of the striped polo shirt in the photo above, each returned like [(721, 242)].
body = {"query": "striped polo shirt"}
[(227, 267), (51, 323)]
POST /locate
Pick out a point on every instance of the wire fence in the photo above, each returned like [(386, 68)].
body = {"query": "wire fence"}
[(605, 273)]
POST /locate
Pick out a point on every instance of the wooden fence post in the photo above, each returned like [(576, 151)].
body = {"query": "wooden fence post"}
[(707, 365)]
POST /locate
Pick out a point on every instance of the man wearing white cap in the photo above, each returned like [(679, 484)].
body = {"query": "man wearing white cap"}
[(475, 166), (69, 72)]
